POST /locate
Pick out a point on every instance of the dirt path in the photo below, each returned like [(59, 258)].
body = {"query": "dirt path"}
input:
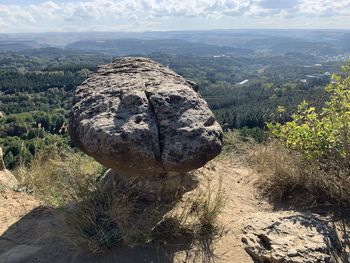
[(242, 200), (13, 206), (32, 233)]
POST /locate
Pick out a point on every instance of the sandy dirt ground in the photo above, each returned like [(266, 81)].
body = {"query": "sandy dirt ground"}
[(31, 232)]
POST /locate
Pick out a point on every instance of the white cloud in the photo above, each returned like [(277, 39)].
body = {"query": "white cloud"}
[(15, 13), (87, 14), (325, 7)]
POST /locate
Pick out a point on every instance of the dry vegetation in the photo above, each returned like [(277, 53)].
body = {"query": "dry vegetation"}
[(287, 176), (237, 146), (98, 220), (101, 220), (56, 175)]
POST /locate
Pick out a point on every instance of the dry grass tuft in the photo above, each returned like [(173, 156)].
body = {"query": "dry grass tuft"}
[(197, 218), (236, 146), (287, 176), (200, 209), (98, 220), (206, 207), (55, 175), (102, 220)]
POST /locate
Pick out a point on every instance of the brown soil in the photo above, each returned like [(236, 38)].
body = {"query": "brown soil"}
[(13, 206)]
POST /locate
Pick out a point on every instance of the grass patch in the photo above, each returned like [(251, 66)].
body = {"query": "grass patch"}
[(236, 146), (99, 220), (200, 210), (197, 220), (205, 207), (287, 176), (55, 176)]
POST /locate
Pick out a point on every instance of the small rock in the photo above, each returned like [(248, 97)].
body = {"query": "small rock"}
[(290, 237), (7, 179), (293, 253)]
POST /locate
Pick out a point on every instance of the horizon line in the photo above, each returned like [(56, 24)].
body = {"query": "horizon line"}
[(184, 30)]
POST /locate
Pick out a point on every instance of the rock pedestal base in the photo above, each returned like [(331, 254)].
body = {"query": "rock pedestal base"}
[(161, 187)]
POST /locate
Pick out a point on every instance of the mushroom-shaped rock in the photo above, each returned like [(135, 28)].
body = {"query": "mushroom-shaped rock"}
[(140, 118)]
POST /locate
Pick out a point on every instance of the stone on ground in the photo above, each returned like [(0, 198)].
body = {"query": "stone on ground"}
[(290, 237), (7, 179)]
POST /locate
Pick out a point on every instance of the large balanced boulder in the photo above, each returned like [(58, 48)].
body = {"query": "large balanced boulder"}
[(291, 237), (140, 118)]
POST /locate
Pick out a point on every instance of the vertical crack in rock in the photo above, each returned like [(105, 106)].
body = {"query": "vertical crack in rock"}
[(160, 125), (160, 146)]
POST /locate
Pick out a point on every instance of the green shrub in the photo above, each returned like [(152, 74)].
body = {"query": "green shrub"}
[(315, 163), (322, 136)]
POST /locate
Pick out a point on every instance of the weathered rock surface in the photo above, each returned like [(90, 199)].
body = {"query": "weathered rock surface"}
[(7, 179), (140, 118), (290, 237)]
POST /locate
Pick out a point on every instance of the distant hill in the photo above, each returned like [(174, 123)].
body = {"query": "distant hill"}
[(119, 47), (313, 48), (325, 44), (17, 45), (53, 52)]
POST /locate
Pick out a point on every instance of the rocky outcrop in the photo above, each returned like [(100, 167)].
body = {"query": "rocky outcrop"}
[(7, 179), (290, 237), (142, 119)]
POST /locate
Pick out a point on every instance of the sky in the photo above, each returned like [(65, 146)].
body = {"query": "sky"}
[(17, 16)]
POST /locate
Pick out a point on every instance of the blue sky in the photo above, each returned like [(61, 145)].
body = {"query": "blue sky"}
[(144, 15)]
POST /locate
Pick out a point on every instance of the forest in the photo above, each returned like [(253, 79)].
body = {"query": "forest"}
[(244, 92)]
